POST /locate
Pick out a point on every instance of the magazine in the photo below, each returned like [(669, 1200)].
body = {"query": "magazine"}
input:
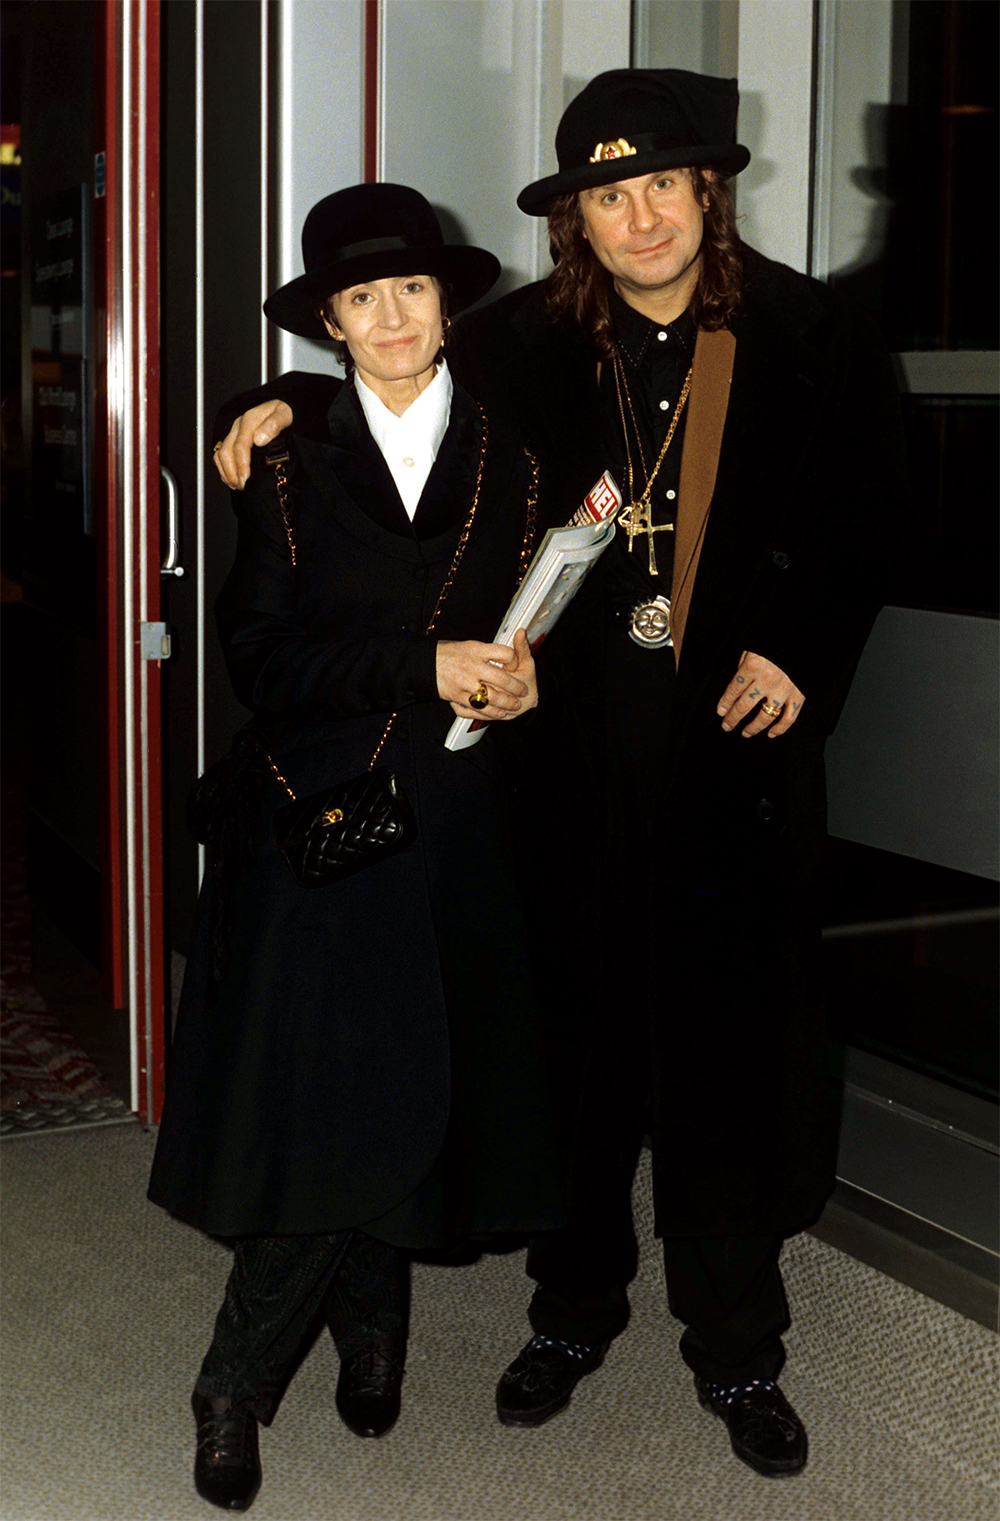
[(558, 569)]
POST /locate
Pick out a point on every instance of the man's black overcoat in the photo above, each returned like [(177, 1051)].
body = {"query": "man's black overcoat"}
[(809, 486), (371, 1056), (809, 475)]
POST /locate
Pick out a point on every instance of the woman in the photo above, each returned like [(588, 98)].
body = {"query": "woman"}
[(355, 1071)]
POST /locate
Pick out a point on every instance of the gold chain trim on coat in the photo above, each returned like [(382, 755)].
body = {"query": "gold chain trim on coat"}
[(282, 482), (279, 461), (531, 516)]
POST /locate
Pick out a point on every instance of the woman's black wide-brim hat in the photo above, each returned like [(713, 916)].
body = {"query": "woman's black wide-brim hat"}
[(371, 232), (631, 122)]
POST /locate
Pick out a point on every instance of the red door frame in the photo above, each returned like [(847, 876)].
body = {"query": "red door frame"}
[(128, 471), (372, 86)]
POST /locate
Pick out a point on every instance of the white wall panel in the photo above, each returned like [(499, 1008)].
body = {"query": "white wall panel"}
[(700, 35), (596, 36), (319, 132), (860, 67), (472, 93), (768, 45), (775, 74)]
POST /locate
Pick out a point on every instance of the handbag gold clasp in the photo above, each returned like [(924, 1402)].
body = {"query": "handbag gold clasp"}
[(333, 816)]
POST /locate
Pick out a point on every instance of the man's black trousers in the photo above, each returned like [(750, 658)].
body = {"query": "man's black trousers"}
[(727, 1290)]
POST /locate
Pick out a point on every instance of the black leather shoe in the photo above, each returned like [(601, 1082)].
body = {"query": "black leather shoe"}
[(368, 1387), (540, 1382), (227, 1460), (763, 1428)]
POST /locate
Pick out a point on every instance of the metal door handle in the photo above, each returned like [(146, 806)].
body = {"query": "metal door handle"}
[(170, 566)]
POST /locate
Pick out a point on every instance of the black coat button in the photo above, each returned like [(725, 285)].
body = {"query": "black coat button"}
[(765, 810), (779, 559)]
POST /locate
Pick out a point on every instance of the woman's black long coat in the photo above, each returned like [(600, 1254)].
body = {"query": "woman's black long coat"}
[(370, 1057), (809, 480)]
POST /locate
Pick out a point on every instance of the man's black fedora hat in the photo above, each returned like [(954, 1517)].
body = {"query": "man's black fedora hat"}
[(630, 122), (369, 232)]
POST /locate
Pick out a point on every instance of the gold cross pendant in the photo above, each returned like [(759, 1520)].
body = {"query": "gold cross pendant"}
[(632, 517), (637, 517), (652, 528)]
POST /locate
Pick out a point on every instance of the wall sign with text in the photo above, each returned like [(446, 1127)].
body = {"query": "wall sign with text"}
[(59, 302)]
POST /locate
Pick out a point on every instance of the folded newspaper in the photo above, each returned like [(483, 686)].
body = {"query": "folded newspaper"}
[(559, 568)]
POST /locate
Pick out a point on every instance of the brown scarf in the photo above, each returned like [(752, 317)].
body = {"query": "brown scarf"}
[(707, 404)]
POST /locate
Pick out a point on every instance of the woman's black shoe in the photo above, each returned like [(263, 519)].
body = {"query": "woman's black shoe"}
[(227, 1460), (368, 1387), (540, 1382), (764, 1430)]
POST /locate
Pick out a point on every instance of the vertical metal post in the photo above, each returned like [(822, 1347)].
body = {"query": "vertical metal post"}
[(199, 389), (132, 561), (265, 182)]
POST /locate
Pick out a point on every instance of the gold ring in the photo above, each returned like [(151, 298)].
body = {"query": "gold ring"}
[(770, 710), (480, 698)]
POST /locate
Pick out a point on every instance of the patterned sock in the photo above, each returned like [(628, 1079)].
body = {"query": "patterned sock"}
[(576, 1350), (726, 1393)]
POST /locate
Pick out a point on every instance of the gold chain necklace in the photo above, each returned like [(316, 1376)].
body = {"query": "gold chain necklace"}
[(637, 514)]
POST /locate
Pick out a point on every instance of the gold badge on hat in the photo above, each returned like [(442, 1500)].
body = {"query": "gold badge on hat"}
[(617, 149)]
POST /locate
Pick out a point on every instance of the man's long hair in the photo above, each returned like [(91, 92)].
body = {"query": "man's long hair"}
[(578, 286)]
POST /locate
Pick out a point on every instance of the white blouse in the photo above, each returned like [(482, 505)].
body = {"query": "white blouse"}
[(410, 443)]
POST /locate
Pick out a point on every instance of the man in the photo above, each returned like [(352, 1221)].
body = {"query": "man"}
[(752, 422)]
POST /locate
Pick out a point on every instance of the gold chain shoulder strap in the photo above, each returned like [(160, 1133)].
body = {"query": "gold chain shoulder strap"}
[(530, 516), (456, 561), (278, 463)]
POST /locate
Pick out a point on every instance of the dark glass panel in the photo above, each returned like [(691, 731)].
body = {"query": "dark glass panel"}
[(910, 963), (951, 550), (934, 285)]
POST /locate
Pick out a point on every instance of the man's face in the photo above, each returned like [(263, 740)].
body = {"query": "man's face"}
[(646, 231)]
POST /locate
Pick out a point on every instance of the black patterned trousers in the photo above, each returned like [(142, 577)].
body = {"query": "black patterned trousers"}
[(280, 1289)]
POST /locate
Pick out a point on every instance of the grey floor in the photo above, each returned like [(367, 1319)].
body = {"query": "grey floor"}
[(108, 1303)]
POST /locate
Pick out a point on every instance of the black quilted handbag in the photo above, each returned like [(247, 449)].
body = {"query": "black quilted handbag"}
[(333, 833)]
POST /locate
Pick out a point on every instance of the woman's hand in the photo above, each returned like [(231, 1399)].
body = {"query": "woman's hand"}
[(508, 675), (525, 670), (758, 681), (260, 426)]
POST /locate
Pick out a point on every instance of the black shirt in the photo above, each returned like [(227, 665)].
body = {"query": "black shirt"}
[(655, 359)]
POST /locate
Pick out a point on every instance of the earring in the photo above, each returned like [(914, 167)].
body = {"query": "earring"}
[(445, 324)]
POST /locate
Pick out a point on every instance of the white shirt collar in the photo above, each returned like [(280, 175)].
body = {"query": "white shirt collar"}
[(409, 444)]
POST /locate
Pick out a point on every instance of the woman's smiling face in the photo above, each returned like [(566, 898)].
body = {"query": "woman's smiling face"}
[(393, 328)]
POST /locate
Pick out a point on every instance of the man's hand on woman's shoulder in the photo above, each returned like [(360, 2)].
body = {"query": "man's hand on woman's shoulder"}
[(259, 426)]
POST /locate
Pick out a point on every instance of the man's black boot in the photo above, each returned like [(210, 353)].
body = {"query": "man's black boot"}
[(368, 1387), (227, 1460), (541, 1379), (764, 1430)]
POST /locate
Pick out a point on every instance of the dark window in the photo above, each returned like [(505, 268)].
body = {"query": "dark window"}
[(910, 955)]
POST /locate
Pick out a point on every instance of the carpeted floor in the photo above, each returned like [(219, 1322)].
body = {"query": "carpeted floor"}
[(108, 1305), (46, 1080)]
